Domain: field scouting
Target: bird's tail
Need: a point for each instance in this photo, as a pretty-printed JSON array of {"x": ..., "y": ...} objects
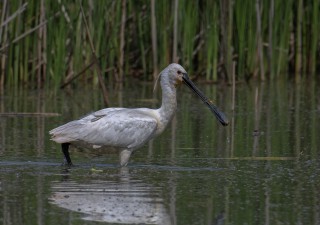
[{"x": 66, "y": 133}]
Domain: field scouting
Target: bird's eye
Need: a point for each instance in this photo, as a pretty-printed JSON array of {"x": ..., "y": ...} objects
[{"x": 179, "y": 72}]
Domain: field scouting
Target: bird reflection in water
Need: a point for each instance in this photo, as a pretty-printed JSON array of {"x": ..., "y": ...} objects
[{"x": 125, "y": 201}]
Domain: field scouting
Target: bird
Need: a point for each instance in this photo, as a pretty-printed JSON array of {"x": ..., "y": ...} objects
[{"x": 128, "y": 129}]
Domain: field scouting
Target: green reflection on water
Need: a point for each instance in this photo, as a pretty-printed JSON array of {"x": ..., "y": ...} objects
[{"x": 262, "y": 169}]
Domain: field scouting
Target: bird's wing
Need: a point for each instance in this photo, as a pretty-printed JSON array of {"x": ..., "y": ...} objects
[{"x": 122, "y": 128}]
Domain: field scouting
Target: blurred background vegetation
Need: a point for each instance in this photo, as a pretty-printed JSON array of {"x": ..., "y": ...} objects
[{"x": 55, "y": 43}]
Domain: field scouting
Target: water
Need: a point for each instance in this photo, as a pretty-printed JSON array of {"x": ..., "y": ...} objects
[{"x": 262, "y": 169}]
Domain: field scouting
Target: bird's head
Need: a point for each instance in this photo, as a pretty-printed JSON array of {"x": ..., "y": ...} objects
[
  {"x": 175, "y": 74},
  {"x": 172, "y": 75}
]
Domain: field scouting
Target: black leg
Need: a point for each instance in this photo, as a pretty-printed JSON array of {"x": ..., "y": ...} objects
[{"x": 65, "y": 151}]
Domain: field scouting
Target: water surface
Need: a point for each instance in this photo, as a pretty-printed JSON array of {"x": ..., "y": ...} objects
[{"x": 262, "y": 169}]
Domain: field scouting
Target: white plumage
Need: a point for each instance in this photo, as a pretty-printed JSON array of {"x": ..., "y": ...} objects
[
  {"x": 115, "y": 127},
  {"x": 128, "y": 129}
]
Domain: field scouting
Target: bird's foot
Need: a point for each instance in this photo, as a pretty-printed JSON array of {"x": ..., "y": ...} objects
[{"x": 67, "y": 164}]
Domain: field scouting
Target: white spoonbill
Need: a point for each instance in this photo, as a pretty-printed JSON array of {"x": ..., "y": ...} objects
[{"x": 128, "y": 129}]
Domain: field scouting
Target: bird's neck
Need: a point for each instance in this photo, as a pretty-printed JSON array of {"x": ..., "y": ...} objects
[{"x": 169, "y": 103}]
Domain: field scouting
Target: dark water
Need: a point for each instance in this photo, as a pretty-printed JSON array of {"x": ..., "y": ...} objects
[{"x": 262, "y": 169}]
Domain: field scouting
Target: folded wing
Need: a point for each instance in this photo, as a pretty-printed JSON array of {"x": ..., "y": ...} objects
[{"x": 121, "y": 128}]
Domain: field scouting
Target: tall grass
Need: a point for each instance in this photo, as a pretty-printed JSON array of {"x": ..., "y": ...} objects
[{"x": 45, "y": 43}]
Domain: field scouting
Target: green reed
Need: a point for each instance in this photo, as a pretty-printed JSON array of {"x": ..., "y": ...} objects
[
  {"x": 211, "y": 41},
  {"x": 46, "y": 43}
]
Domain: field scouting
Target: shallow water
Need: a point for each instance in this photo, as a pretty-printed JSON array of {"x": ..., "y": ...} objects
[{"x": 262, "y": 169}]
